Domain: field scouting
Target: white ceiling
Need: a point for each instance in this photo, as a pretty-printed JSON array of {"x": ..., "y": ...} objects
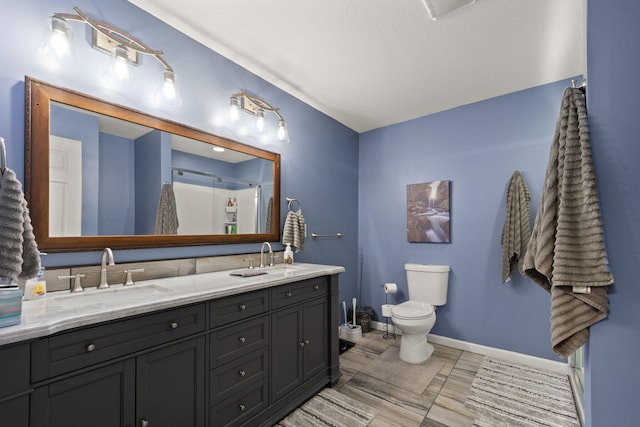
[{"x": 372, "y": 63}]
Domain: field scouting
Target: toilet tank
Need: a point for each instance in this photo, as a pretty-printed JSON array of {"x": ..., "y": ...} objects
[{"x": 428, "y": 283}]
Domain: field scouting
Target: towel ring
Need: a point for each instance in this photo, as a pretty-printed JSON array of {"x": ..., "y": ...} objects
[{"x": 290, "y": 201}]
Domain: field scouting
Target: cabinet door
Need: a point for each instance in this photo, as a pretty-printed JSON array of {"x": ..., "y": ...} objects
[
  {"x": 15, "y": 412},
  {"x": 170, "y": 385},
  {"x": 315, "y": 337},
  {"x": 286, "y": 361},
  {"x": 101, "y": 398}
]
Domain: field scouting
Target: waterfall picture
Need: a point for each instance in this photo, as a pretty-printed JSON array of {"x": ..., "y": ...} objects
[{"x": 428, "y": 212}]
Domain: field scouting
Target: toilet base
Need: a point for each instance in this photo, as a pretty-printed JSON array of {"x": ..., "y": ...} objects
[{"x": 414, "y": 348}]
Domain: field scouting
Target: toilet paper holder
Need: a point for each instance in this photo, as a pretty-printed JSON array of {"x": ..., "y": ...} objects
[{"x": 389, "y": 288}]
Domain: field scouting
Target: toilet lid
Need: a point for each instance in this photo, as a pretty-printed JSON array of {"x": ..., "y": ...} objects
[{"x": 412, "y": 310}]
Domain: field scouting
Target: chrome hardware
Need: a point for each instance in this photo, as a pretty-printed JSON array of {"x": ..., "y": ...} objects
[
  {"x": 91, "y": 347},
  {"x": 174, "y": 325},
  {"x": 242, "y": 339},
  {"x": 144, "y": 423},
  {"x": 77, "y": 284},
  {"x": 262, "y": 254},
  {"x": 242, "y": 373},
  {"x": 307, "y": 342},
  {"x": 288, "y": 294},
  {"x": 302, "y": 343},
  {"x": 242, "y": 307},
  {"x": 106, "y": 252},
  {"x": 250, "y": 263},
  {"x": 316, "y": 287},
  {"x": 242, "y": 407},
  {"x": 129, "y": 279}
]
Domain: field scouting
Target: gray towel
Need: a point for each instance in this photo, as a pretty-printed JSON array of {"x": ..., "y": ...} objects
[
  {"x": 566, "y": 250},
  {"x": 19, "y": 256},
  {"x": 517, "y": 226},
  {"x": 294, "y": 230},
  {"x": 167, "y": 214},
  {"x": 268, "y": 222}
]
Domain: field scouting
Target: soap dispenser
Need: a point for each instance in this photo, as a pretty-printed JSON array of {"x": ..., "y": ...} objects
[{"x": 288, "y": 254}]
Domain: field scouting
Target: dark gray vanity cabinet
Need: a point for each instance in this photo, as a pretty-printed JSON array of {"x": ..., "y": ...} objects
[
  {"x": 134, "y": 372},
  {"x": 14, "y": 385}
]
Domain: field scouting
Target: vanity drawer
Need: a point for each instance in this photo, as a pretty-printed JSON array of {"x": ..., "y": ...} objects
[
  {"x": 282, "y": 296},
  {"x": 235, "y": 341},
  {"x": 237, "y": 375},
  {"x": 238, "y": 307},
  {"x": 239, "y": 408},
  {"x": 76, "y": 349}
]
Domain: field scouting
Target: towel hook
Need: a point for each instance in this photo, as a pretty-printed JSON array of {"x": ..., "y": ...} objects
[
  {"x": 3, "y": 156},
  {"x": 290, "y": 201}
]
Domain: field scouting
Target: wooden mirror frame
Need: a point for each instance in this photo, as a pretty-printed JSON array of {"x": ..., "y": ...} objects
[{"x": 38, "y": 98}]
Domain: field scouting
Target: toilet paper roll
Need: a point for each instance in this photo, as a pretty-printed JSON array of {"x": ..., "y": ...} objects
[
  {"x": 386, "y": 310},
  {"x": 390, "y": 288}
]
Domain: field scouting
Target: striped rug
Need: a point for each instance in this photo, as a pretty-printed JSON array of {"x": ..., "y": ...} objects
[
  {"x": 509, "y": 394},
  {"x": 330, "y": 408}
]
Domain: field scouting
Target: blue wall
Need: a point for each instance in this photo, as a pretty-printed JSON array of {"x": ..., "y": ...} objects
[
  {"x": 613, "y": 377},
  {"x": 477, "y": 147},
  {"x": 319, "y": 166},
  {"x": 117, "y": 190}
]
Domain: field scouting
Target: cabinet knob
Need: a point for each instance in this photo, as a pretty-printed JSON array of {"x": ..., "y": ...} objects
[
  {"x": 144, "y": 423},
  {"x": 307, "y": 342},
  {"x": 242, "y": 339},
  {"x": 302, "y": 343},
  {"x": 243, "y": 307},
  {"x": 242, "y": 407},
  {"x": 173, "y": 325},
  {"x": 91, "y": 347},
  {"x": 288, "y": 294},
  {"x": 316, "y": 287},
  {"x": 242, "y": 373}
]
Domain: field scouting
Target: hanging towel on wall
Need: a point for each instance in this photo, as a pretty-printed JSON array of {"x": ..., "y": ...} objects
[
  {"x": 517, "y": 226},
  {"x": 19, "y": 256},
  {"x": 294, "y": 231},
  {"x": 167, "y": 214},
  {"x": 566, "y": 253}
]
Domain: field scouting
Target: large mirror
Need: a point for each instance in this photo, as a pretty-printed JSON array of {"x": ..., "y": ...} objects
[{"x": 99, "y": 174}]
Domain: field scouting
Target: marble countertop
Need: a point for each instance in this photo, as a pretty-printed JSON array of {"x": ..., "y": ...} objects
[{"x": 59, "y": 311}]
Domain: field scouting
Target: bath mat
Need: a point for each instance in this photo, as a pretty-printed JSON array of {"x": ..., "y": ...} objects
[
  {"x": 508, "y": 394},
  {"x": 330, "y": 408},
  {"x": 415, "y": 378}
]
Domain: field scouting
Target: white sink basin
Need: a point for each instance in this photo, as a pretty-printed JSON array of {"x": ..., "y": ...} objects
[{"x": 114, "y": 294}]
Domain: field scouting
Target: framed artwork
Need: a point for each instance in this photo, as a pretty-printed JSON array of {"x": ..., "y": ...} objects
[{"x": 428, "y": 214}]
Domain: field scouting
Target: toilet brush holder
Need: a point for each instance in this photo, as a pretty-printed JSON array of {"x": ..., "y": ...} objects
[{"x": 350, "y": 332}]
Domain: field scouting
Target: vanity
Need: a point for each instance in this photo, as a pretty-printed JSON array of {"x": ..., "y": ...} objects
[{"x": 205, "y": 349}]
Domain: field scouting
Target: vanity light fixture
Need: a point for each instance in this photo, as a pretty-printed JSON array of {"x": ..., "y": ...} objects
[
  {"x": 125, "y": 50},
  {"x": 257, "y": 107}
]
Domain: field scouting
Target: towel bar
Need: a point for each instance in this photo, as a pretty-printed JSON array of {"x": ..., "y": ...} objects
[{"x": 316, "y": 235}]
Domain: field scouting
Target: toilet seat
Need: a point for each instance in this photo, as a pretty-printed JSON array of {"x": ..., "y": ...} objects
[{"x": 412, "y": 310}]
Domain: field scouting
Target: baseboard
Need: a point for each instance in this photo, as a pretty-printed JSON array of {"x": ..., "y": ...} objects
[{"x": 512, "y": 356}]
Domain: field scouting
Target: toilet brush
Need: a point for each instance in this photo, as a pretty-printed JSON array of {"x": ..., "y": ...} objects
[{"x": 354, "y": 312}]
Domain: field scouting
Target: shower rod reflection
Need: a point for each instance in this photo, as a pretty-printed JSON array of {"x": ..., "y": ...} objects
[{"x": 182, "y": 171}]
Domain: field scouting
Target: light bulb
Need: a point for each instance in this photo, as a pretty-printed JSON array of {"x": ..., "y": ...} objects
[
  {"x": 260, "y": 120},
  {"x": 58, "y": 38},
  {"x": 282, "y": 131},
  {"x": 234, "y": 109},
  {"x": 169, "y": 85},
  {"x": 120, "y": 63}
]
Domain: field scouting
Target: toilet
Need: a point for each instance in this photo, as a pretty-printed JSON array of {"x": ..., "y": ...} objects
[{"x": 428, "y": 286}]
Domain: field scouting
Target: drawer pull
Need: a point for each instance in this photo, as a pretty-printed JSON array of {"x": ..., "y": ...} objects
[
  {"x": 316, "y": 287},
  {"x": 242, "y": 407},
  {"x": 288, "y": 294},
  {"x": 144, "y": 423},
  {"x": 174, "y": 325},
  {"x": 242, "y": 339},
  {"x": 242, "y": 373},
  {"x": 91, "y": 347},
  {"x": 243, "y": 307}
]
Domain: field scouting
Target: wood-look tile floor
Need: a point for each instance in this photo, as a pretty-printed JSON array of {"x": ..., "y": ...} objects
[{"x": 441, "y": 403}]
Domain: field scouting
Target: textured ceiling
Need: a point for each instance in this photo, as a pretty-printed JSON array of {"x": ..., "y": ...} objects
[{"x": 372, "y": 63}]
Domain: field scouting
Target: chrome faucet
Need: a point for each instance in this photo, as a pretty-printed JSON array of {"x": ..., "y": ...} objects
[
  {"x": 103, "y": 269},
  {"x": 262, "y": 254}
]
